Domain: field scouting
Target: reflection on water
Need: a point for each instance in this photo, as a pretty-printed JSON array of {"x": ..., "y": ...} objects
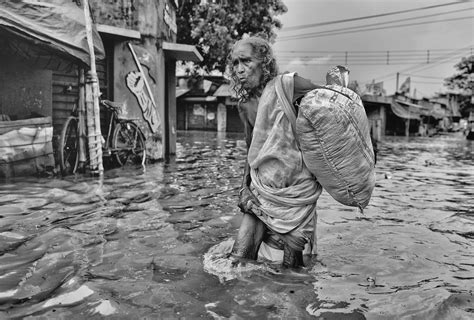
[{"x": 132, "y": 245}]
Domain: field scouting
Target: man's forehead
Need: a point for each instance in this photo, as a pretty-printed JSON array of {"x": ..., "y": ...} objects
[{"x": 242, "y": 50}]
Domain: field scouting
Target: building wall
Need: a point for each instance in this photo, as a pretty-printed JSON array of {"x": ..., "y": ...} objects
[
  {"x": 206, "y": 116},
  {"x": 26, "y": 132},
  {"x": 377, "y": 116},
  {"x": 65, "y": 85},
  {"x": 25, "y": 91},
  {"x": 201, "y": 116},
  {"x": 153, "y": 19},
  {"x": 115, "y": 13}
]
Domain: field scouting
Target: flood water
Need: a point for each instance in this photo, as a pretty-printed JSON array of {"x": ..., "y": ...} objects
[{"x": 134, "y": 244}]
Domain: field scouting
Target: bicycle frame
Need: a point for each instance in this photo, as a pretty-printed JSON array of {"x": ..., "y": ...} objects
[{"x": 124, "y": 139}]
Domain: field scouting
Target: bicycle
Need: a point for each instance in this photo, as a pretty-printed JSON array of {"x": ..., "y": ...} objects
[{"x": 124, "y": 139}]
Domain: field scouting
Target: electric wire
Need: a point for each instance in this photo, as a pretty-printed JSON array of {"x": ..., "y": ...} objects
[
  {"x": 359, "y": 51},
  {"x": 305, "y": 26},
  {"x": 448, "y": 57},
  {"x": 325, "y": 34},
  {"x": 383, "y": 59},
  {"x": 420, "y": 76},
  {"x": 310, "y": 35}
]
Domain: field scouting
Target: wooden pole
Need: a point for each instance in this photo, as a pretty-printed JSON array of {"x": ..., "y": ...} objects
[
  {"x": 407, "y": 127},
  {"x": 92, "y": 102},
  {"x": 81, "y": 120}
]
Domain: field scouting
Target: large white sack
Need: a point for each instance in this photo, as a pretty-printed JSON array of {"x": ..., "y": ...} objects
[{"x": 334, "y": 135}]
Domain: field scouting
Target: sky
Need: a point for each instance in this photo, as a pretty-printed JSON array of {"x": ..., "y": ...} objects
[{"x": 425, "y": 52}]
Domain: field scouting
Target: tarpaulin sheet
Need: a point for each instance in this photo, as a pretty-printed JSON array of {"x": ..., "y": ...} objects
[
  {"x": 405, "y": 112},
  {"x": 412, "y": 108},
  {"x": 57, "y": 25}
]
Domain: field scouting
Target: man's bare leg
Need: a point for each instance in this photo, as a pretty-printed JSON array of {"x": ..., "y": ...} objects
[
  {"x": 292, "y": 258},
  {"x": 249, "y": 238}
]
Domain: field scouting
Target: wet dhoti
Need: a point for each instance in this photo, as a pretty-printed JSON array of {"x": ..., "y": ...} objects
[{"x": 282, "y": 183}]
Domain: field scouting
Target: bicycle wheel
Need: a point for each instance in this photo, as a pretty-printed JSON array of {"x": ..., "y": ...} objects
[
  {"x": 128, "y": 143},
  {"x": 69, "y": 146}
]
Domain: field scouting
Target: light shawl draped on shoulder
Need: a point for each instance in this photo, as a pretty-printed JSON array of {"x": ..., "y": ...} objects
[{"x": 284, "y": 186}]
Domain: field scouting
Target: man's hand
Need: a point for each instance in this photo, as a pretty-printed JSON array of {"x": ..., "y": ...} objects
[{"x": 247, "y": 200}]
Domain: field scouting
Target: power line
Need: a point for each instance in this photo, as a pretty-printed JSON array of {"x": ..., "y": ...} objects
[
  {"x": 419, "y": 76},
  {"x": 374, "y": 52},
  {"x": 427, "y": 82},
  {"x": 454, "y": 54},
  {"x": 304, "y": 35},
  {"x": 398, "y": 50},
  {"x": 352, "y": 64},
  {"x": 374, "y": 58},
  {"x": 304, "y": 26},
  {"x": 324, "y": 34}
]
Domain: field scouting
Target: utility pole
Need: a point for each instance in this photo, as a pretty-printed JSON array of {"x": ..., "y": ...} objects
[{"x": 396, "y": 85}]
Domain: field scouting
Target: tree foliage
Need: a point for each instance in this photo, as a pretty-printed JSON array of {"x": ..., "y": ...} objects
[
  {"x": 463, "y": 80},
  {"x": 214, "y": 26}
]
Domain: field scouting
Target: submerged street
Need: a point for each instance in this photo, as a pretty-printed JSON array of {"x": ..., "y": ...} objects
[{"x": 133, "y": 245}]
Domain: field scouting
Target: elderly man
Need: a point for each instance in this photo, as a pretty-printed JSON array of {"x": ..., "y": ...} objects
[{"x": 278, "y": 195}]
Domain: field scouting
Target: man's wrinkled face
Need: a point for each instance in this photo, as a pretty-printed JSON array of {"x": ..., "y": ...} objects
[{"x": 247, "y": 68}]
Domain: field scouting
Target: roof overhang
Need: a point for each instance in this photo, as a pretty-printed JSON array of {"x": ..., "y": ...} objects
[
  {"x": 184, "y": 52},
  {"x": 410, "y": 104},
  {"x": 181, "y": 91},
  {"x": 375, "y": 99},
  {"x": 118, "y": 32}
]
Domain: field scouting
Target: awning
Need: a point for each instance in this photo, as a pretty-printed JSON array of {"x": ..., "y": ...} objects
[
  {"x": 421, "y": 110},
  {"x": 55, "y": 26},
  {"x": 184, "y": 52},
  {"x": 404, "y": 112},
  {"x": 118, "y": 32}
]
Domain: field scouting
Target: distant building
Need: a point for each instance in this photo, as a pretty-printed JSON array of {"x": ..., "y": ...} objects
[
  {"x": 376, "y": 108},
  {"x": 206, "y": 103},
  {"x": 410, "y": 116}
]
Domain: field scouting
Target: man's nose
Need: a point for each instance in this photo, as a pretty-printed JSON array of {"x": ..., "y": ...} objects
[{"x": 240, "y": 68}]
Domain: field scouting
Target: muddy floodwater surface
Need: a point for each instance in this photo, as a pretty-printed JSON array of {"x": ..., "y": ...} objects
[{"x": 139, "y": 244}]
